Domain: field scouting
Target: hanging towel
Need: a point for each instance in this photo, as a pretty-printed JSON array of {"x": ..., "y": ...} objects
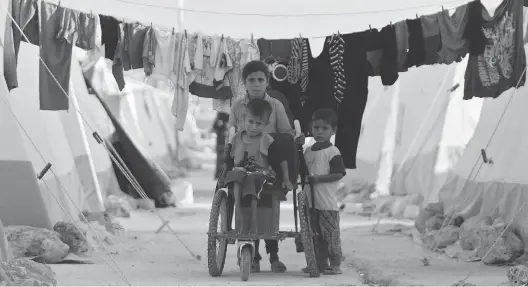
[{"x": 182, "y": 71}]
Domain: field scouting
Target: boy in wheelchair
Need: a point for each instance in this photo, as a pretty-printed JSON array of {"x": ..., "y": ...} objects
[{"x": 251, "y": 169}]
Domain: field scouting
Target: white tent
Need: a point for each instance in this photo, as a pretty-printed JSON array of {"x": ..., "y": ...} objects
[
  {"x": 498, "y": 189},
  {"x": 81, "y": 172}
]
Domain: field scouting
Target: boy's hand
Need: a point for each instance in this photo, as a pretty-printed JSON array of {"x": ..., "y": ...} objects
[
  {"x": 286, "y": 184},
  {"x": 313, "y": 179},
  {"x": 300, "y": 140}
]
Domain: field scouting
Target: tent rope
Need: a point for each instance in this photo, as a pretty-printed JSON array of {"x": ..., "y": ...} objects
[
  {"x": 120, "y": 272},
  {"x": 87, "y": 123}
]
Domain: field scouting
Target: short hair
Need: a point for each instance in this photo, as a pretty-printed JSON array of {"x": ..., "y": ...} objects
[
  {"x": 327, "y": 115},
  {"x": 260, "y": 108},
  {"x": 255, "y": 66}
]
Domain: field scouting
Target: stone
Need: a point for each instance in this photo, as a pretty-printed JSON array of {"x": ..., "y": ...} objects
[
  {"x": 76, "y": 239},
  {"x": 429, "y": 211},
  {"x": 446, "y": 236},
  {"x": 456, "y": 252},
  {"x": 518, "y": 275},
  {"x": 411, "y": 211},
  {"x": 479, "y": 234},
  {"x": 434, "y": 223},
  {"x": 25, "y": 272},
  {"x": 40, "y": 243},
  {"x": 119, "y": 205}
]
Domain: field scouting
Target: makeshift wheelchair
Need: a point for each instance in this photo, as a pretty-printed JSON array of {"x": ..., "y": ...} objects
[{"x": 268, "y": 218}]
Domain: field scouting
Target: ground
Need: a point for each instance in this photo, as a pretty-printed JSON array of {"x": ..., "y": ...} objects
[{"x": 147, "y": 258}]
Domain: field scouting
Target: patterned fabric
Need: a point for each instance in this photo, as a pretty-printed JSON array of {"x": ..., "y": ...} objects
[
  {"x": 328, "y": 247},
  {"x": 294, "y": 66},
  {"x": 304, "y": 65},
  {"x": 337, "y": 49}
]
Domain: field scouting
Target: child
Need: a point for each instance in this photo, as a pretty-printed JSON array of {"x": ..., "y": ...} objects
[
  {"x": 326, "y": 168},
  {"x": 250, "y": 155}
]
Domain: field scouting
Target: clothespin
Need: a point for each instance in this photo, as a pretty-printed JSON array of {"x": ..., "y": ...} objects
[
  {"x": 251, "y": 37},
  {"x": 173, "y": 30},
  {"x": 391, "y": 23},
  {"x": 222, "y": 38},
  {"x": 442, "y": 8},
  {"x": 58, "y": 4},
  {"x": 370, "y": 27},
  {"x": 185, "y": 33},
  {"x": 416, "y": 15}
]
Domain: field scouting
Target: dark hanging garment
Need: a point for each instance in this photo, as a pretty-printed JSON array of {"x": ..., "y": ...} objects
[
  {"x": 110, "y": 34},
  {"x": 279, "y": 49},
  {"x": 502, "y": 63},
  {"x": 350, "y": 110},
  {"x": 474, "y": 34},
  {"x": 416, "y": 54},
  {"x": 389, "y": 67}
]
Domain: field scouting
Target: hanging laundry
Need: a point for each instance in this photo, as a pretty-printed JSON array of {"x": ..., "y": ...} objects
[
  {"x": 129, "y": 52},
  {"x": 86, "y": 31},
  {"x": 473, "y": 33},
  {"x": 234, "y": 76},
  {"x": 431, "y": 35},
  {"x": 402, "y": 45},
  {"x": 197, "y": 56},
  {"x": 58, "y": 27},
  {"x": 351, "y": 109},
  {"x": 98, "y": 33},
  {"x": 223, "y": 61},
  {"x": 25, "y": 15},
  {"x": 181, "y": 71},
  {"x": 388, "y": 67},
  {"x": 501, "y": 66},
  {"x": 454, "y": 45},
  {"x": 416, "y": 53},
  {"x": 279, "y": 50},
  {"x": 374, "y": 51},
  {"x": 158, "y": 57},
  {"x": 336, "y": 51},
  {"x": 294, "y": 66},
  {"x": 305, "y": 65},
  {"x": 110, "y": 35}
]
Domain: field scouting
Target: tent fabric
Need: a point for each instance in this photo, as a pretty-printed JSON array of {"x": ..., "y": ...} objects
[
  {"x": 474, "y": 188},
  {"x": 69, "y": 186}
]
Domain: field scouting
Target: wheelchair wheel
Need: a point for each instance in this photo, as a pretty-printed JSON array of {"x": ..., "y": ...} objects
[
  {"x": 217, "y": 247},
  {"x": 307, "y": 235},
  {"x": 245, "y": 263}
]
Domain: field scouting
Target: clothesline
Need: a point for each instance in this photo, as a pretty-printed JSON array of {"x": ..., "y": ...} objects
[{"x": 295, "y": 15}]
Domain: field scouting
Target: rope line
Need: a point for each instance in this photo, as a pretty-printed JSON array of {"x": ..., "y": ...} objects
[{"x": 290, "y": 15}]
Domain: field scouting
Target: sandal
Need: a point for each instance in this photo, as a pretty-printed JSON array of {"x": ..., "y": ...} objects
[
  {"x": 278, "y": 267},
  {"x": 332, "y": 271}
]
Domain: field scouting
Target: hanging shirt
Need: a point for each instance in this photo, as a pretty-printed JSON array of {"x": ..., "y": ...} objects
[
  {"x": 182, "y": 71},
  {"x": 501, "y": 65},
  {"x": 58, "y": 26},
  {"x": 129, "y": 51},
  {"x": 25, "y": 15},
  {"x": 85, "y": 31},
  {"x": 388, "y": 68},
  {"x": 431, "y": 35},
  {"x": 322, "y": 161},
  {"x": 473, "y": 33},
  {"x": 454, "y": 45},
  {"x": 278, "y": 49},
  {"x": 416, "y": 53},
  {"x": 402, "y": 45},
  {"x": 110, "y": 35},
  {"x": 161, "y": 56},
  {"x": 150, "y": 44}
]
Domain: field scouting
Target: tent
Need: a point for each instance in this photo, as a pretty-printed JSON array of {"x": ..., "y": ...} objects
[
  {"x": 499, "y": 188},
  {"x": 81, "y": 173}
]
